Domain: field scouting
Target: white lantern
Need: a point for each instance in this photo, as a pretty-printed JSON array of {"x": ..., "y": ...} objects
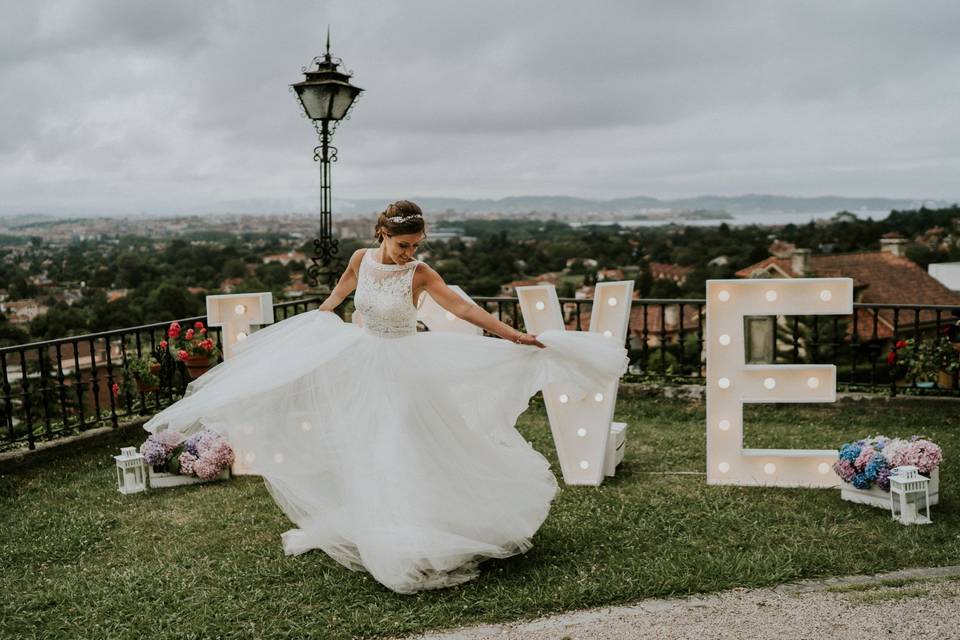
[
  {"x": 131, "y": 471},
  {"x": 907, "y": 489}
]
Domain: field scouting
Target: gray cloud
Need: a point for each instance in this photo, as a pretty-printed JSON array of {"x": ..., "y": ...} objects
[{"x": 146, "y": 106}]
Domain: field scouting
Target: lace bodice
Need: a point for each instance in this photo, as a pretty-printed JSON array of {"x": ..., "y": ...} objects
[{"x": 384, "y": 297}]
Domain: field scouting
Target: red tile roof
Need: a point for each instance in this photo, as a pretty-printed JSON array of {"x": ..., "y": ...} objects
[
  {"x": 661, "y": 270},
  {"x": 879, "y": 278},
  {"x": 653, "y": 323}
]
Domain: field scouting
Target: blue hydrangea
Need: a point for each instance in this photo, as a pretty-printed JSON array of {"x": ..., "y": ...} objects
[
  {"x": 877, "y": 463},
  {"x": 849, "y": 452},
  {"x": 860, "y": 481}
]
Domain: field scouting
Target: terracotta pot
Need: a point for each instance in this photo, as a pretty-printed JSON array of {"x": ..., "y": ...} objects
[
  {"x": 945, "y": 380},
  {"x": 197, "y": 365},
  {"x": 144, "y": 388}
]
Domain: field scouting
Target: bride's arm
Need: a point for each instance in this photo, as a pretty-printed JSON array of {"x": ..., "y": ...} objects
[
  {"x": 452, "y": 302},
  {"x": 346, "y": 284}
]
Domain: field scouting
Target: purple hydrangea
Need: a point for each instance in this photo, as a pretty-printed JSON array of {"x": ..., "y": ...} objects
[
  {"x": 883, "y": 478},
  {"x": 190, "y": 444},
  {"x": 154, "y": 452}
]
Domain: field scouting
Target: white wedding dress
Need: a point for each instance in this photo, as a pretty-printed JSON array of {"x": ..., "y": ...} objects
[{"x": 394, "y": 451}]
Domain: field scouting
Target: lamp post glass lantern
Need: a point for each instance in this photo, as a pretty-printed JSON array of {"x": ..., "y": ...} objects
[{"x": 326, "y": 96}]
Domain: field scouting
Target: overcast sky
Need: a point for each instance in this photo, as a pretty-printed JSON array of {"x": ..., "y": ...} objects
[{"x": 164, "y": 106}]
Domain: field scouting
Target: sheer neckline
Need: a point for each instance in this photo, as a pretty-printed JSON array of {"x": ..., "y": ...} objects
[{"x": 387, "y": 267}]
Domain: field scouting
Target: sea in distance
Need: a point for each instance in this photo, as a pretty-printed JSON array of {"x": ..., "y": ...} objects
[{"x": 739, "y": 218}]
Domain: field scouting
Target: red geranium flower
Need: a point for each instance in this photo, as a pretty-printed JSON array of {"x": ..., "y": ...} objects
[
  {"x": 901, "y": 344},
  {"x": 115, "y": 389},
  {"x": 203, "y": 330},
  {"x": 163, "y": 344},
  {"x": 183, "y": 355},
  {"x": 189, "y": 334},
  {"x": 174, "y": 331},
  {"x": 891, "y": 357},
  {"x": 198, "y": 325}
]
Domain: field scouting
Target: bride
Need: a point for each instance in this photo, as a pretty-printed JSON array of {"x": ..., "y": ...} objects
[{"x": 395, "y": 451}]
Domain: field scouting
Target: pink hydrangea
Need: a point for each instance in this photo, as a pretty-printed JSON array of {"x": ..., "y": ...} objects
[
  {"x": 844, "y": 469},
  {"x": 924, "y": 455},
  {"x": 205, "y": 469},
  {"x": 169, "y": 439},
  {"x": 895, "y": 451},
  {"x": 864, "y": 458},
  {"x": 187, "y": 461}
]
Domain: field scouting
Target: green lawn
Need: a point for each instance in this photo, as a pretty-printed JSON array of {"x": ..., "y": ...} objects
[{"x": 78, "y": 559}]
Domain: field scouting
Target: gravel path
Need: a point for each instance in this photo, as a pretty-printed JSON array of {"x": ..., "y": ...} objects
[{"x": 915, "y": 604}]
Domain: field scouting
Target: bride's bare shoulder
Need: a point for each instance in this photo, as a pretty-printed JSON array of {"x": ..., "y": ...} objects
[{"x": 356, "y": 258}]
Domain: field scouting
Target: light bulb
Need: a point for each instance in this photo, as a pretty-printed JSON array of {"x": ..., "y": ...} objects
[
  {"x": 823, "y": 467},
  {"x": 769, "y": 468},
  {"x": 584, "y": 464},
  {"x": 769, "y": 383},
  {"x": 723, "y": 383},
  {"x": 813, "y": 382},
  {"x": 771, "y": 295},
  {"x": 723, "y": 296},
  {"x": 540, "y": 306},
  {"x": 724, "y": 425},
  {"x": 598, "y": 397},
  {"x": 826, "y": 295},
  {"x": 241, "y": 336},
  {"x": 612, "y": 302},
  {"x": 582, "y": 432},
  {"x": 240, "y": 309},
  {"x": 564, "y": 398},
  {"x": 724, "y": 339},
  {"x": 608, "y": 333},
  {"x": 723, "y": 467}
]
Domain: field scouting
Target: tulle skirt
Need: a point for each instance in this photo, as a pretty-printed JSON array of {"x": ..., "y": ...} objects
[{"x": 397, "y": 456}]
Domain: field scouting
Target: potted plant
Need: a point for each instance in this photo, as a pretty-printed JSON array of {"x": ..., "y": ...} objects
[
  {"x": 864, "y": 467},
  {"x": 140, "y": 372},
  {"x": 193, "y": 347},
  {"x": 929, "y": 362},
  {"x": 144, "y": 372},
  {"x": 175, "y": 459}
]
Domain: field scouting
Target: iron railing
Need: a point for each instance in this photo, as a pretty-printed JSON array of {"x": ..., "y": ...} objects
[{"x": 61, "y": 387}]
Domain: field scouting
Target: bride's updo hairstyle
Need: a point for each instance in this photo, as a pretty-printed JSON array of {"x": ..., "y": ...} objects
[{"x": 400, "y": 218}]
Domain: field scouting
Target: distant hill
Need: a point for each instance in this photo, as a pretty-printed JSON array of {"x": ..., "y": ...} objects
[{"x": 749, "y": 203}]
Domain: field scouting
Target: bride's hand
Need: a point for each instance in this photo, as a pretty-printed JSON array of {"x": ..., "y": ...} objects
[{"x": 527, "y": 339}]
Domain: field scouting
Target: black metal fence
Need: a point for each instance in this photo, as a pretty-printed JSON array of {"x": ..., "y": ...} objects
[{"x": 65, "y": 386}]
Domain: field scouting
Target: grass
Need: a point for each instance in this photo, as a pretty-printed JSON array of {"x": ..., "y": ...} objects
[{"x": 78, "y": 559}]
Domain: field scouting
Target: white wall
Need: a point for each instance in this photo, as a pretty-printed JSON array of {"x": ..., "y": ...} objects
[{"x": 946, "y": 272}]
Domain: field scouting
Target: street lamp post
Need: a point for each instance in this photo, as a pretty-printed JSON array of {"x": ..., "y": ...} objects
[{"x": 326, "y": 96}]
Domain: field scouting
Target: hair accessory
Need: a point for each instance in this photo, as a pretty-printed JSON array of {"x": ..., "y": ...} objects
[{"x": 402, "y": 218}]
